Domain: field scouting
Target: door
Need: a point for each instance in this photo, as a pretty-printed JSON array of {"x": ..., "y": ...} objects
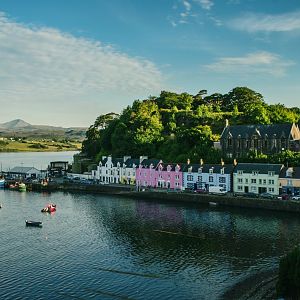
[{"x": 246, "y": 189}]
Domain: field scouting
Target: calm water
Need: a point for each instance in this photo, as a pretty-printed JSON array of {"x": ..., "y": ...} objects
[
  {"x": 39, "y": 160},
  {"x": 102, "y": 247}
]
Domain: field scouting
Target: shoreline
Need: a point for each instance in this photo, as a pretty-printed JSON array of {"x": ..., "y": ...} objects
[
  {"x": 257, "y": 286},
  {"x": 181, "y": 197}
]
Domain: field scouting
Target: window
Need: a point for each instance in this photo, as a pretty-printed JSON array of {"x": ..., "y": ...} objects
[
  {"x": 200, "y": 170},
  {"x": 222, "y": 179},
  {"x": 253, "y": 180},
  {"x": 211, "y": 179},
  {"x": 246, "y": 180},
  {"x": 200, "y": 178},
  {"x": 254, "y": 172},
  {"x": 271, "y": 173},
  {"x": 271, "y": 181},
  {"x": 289, "y": 182},
  {"x": 177, "y": 184},
  {"x": 260, "y": 181},
  {"x": 189, "y": 177},
  {"x": 271, "y": 190},
  {"x": 240, "y": 180},
  {"x": 253, "y": 189},
  {"x": 265, "y": 181},
  {"x": 240, "y": 172},
  {"x": 211, "y": 171},
  {"x": 177, "y": 177},
  {"x": 222, "y": 171},
  {"x": 240, "y": 187}
]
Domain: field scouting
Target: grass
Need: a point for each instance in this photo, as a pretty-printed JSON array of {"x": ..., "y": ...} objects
[{"x": 38, "y": 146}]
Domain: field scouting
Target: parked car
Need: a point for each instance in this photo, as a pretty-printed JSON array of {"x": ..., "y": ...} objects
[
  {"x": 283, "y": 197},
  {"x": 266, "y": 196},
  {"x": 296, "y": 197},
  {"x": 216, "y": 190},
  {"x": 200, "y": 191},
  {"x": 251, "y": 195}
]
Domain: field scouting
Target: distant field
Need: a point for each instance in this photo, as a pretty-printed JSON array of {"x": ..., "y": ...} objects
[{"x": 38, "y": 146}]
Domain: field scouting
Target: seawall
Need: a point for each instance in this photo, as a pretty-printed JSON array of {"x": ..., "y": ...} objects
[{"x": 183, "y": 197}]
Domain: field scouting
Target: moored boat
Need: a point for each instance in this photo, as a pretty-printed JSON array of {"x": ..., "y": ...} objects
[
  {"x": 213, "y": 203},
  {"x": 49, "y": 208},
  {"x": 22, "y": 187},
  {"x": 34, "y": 223},
  {"x": 2, "y": 182}
]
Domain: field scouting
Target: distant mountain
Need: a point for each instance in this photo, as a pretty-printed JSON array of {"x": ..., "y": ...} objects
[
  {"x": 21, "y": 128},
  {"x": 18, "y": 123}
]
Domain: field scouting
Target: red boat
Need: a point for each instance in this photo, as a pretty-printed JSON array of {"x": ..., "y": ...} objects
[{"x": 50, "y": 208}]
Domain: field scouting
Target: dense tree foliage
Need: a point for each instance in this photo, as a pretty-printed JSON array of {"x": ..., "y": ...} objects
[
  {"x": 288, "y": 284},
  {"x": 176, "y": 127}
]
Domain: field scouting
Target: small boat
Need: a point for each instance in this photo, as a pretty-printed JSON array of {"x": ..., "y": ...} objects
[
  {"x": 2, "y": 183},
  {"x": 49, "y": 208},
  {"x": 213, "y": 203},
  {"x": 33, "y": 223},
  {"x": 22, "y": 187}
]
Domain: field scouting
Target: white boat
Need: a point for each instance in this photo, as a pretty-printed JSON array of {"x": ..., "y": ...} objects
[
  {"x": 213, "y": 203},
  {"x": 2, "y": 181}
]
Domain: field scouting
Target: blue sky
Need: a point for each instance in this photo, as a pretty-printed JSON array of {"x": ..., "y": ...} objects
[{"x": 66, "y": 62}]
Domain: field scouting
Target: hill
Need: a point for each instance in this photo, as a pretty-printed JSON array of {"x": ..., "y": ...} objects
[{"x": 22, "y": 129}]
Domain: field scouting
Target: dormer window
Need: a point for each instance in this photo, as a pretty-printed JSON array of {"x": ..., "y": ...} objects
[
  {"x": 169, "y": 168},
  {"x": 200, "y": 170},
  {"x": 190, "y": 169},
  {"x": 177, "y": 168},
  {"x": 211, "y": 170},
  {"x": 271, "y": 173},
  {"x": 240, "y": 172},
  {"x": 222, "y": 171},
  {"x": 255, "y": 172}
]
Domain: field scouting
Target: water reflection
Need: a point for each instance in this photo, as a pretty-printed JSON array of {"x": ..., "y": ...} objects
[{"x": 113, "y": 247}]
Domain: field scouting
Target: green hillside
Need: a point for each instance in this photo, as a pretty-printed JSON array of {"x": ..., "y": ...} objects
[{"x": 176, "y": 127}]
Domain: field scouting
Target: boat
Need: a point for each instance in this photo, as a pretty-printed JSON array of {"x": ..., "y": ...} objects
[
  {"x": 213, "y": 203},
  {"x": 49, "y": 208},
  {"x": 2, "y": 182},
  {"x": 34, "y": 223},
  {"x": 22, "y": 187}
]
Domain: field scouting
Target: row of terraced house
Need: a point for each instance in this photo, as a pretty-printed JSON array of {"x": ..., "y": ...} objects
[{"x": 240, "y": 178}]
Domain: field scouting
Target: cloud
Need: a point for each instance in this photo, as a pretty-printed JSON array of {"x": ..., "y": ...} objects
[
  {"x": 205, "y": 4},
  {"x": 39, "y": 63},
  {"x": 267, "y": 23},
  {"x": 258, "y": 62}
]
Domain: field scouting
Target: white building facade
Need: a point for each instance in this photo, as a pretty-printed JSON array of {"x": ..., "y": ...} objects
[{"x": 256, "y": 178}]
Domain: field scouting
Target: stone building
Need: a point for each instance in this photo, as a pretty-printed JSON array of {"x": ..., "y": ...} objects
[{"x": 236, "y": 141}]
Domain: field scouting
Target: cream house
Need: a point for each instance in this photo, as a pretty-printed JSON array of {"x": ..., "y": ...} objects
[{"x": 256, "y": 178}]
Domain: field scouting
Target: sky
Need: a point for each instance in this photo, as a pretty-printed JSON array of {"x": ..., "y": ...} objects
[{"x": 64, "y": 63}]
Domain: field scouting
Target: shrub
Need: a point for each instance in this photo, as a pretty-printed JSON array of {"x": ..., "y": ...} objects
[{"x": 288, "y": 284}]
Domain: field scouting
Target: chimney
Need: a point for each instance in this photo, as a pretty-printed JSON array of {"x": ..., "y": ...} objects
[
  {"x": 188, "y": 161},
  {"x": 201, "y": 162},
  {"x": 234, "y": 162},
  {"x": 226, "y": 123}
]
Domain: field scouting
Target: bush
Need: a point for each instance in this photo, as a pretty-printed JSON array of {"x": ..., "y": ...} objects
[{"x": 288, "y": 284}]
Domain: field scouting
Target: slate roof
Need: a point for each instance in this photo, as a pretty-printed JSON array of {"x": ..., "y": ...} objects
[
  {"x": 228, "y": 169},
  {"x": 130, "y": 161},
  {"x": 245, "y": 131},
  {"x": 261, "y": 168},
  {"x": 22, "y": 169},
  {"x": 295, "y": 174},
  {"x": 147, "y": 162},
  {"x": 173, "y": 166}
]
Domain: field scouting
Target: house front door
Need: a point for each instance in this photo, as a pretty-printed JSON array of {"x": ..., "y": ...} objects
[{"x": 246, "y": 189}]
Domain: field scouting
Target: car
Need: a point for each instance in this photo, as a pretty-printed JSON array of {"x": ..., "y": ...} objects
[
  {"x": 266, "y": 196},
  {"x": 296, "y": 197},
  {"x": 283, "y": 197},
  {"x": 250, "y": 195},
  {"x": 200, "y": 191}
]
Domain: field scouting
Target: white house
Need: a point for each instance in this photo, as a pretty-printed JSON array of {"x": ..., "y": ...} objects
[
  {"x": 197, "y": 176},
  {"x": 256, "y": 178},
  {"x": 117, "y": 170}
]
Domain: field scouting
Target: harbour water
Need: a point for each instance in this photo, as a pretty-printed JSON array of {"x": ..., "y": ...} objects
[{"x": 106, "y": 247}]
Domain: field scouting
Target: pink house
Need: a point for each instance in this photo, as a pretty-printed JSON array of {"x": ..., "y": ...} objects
[
  {"x": 169, "y": 176},
  {"x": 146, "y": 175},
  {"x": 156, "y": 174}
]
